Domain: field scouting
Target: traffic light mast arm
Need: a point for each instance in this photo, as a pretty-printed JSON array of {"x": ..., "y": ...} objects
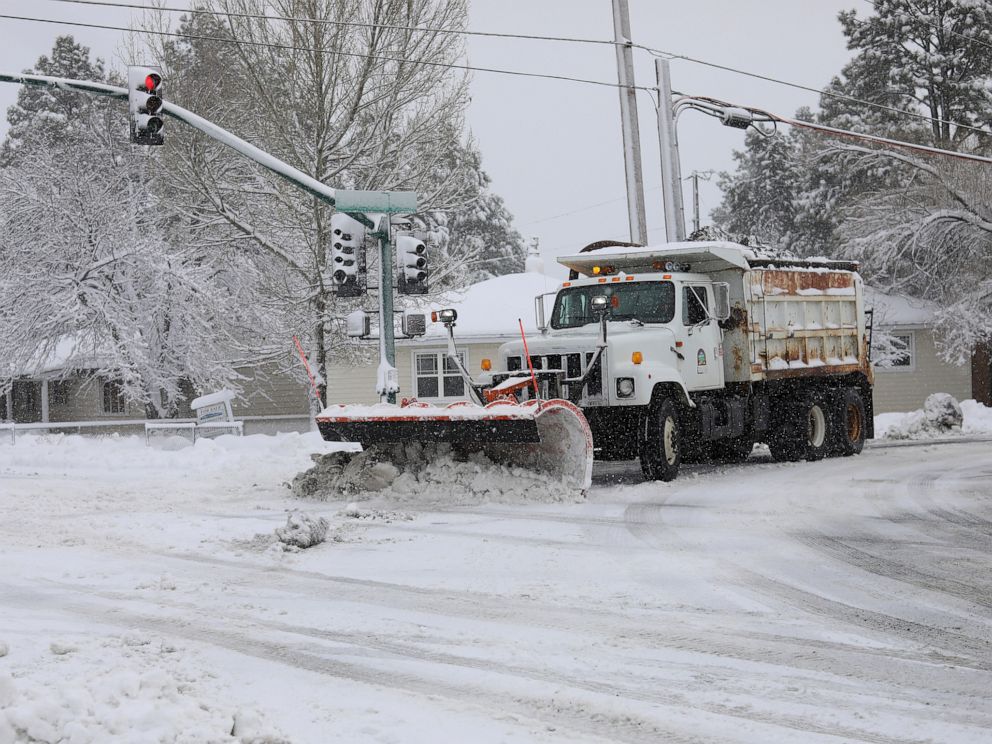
[{"x": 299, "y": 178}]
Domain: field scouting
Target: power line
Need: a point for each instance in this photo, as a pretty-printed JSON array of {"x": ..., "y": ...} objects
[
  {"x": 530, "y": 37},
  {"x": 290, "y": 47},
  {"x": 354, "y": 24},
  {"x": 586, "y": 208},
  {"x": 820, "y": 91}
]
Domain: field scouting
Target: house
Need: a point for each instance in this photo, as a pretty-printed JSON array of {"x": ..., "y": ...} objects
[
  {"x": 61, "y": 388},
  {"x": 919, "y": 370},
  {"x": 489, "y": 314}
]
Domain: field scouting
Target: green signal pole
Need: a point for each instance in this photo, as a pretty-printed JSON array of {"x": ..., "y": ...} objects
[{"x": 359, "y": 205}]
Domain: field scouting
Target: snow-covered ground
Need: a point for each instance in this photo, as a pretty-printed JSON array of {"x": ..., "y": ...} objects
[{"x": 145, "y": 599}]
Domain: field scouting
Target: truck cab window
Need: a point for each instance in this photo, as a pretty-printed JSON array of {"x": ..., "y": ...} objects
[
  {"x": 647, "y": 302},
  {"x": 695, "y": 305}
]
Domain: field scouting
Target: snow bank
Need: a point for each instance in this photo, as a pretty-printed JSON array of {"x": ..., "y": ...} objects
[
  {"x": 127, "y": 456},
  {"x": 426, "y": 474},
  {"x": 940, "y": 416},
  {"x": 121, "y": 692}
]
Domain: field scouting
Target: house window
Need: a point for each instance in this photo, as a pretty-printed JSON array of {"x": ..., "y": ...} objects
[
  {"x": 904, "y": 356},
  {"x": 113, "y": 398},
  {"x": 436, "y": 376},
  {"x": 59, "y": 393}
]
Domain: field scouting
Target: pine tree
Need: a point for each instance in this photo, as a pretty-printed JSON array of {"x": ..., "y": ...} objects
[{"x": 49, "y": 117}]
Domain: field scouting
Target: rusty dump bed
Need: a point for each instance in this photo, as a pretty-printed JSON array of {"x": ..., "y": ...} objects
[{"x": 805, "y": 322}]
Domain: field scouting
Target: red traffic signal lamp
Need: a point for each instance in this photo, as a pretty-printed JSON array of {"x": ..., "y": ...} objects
[{"x": 144, "y": 98}]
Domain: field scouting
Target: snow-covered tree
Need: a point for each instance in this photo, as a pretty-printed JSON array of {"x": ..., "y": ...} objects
[
  {"x": 759, "y": 198},
  {"x": 931, "y": 56},
  {"x": 49, "y": 117},
  {"x": 95, "y": 264},
  {"x": 354, "y": 106},
  {"x": 931, "y": 238}
]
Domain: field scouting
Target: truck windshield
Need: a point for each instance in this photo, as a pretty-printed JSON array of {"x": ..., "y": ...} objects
[{"x": 648, "y": 302}]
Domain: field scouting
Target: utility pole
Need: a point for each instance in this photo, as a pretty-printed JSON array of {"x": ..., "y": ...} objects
[
  {"x": 694, "y": 177},
  {"x": 668, "y": 146},
  {"x": 628, "y": 120}
]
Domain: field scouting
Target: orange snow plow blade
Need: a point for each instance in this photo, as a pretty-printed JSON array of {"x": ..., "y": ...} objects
[{"x": 549, "y": 436}]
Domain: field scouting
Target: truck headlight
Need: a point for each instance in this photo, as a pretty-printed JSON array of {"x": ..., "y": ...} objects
[{"x": 625, "y": 387}]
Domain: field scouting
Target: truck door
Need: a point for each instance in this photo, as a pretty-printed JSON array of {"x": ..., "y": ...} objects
[{"x": 702, "y": 346}]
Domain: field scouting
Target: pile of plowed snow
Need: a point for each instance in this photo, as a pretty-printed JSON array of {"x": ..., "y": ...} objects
[
  {"x": 941, "y": 416},
  {"x": 425, "y": 474}
]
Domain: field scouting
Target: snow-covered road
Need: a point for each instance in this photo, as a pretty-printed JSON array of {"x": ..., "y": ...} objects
[{"x": 846, "y": 600}]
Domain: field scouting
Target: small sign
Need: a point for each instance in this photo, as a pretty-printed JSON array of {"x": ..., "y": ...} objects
[
  {"x": 372, "y": 202},
  {"x": 700, "y": 361},
  {"x": 216, "y": 412}
]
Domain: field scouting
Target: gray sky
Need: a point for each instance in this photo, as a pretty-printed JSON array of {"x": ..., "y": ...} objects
[{"x": 555, "y": 147}]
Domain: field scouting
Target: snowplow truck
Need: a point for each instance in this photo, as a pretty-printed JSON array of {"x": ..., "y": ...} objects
[{"x": 681, "y": 352}]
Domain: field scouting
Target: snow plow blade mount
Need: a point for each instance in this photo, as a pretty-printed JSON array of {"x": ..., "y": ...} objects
[{"x": 549, "y": 436}]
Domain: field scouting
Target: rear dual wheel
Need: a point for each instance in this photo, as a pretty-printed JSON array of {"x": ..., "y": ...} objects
[
  {"x": 803, "y": 431},
  {"x": 850, "y": 424}
]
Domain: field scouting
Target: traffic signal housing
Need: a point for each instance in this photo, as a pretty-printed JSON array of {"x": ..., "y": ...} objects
[
  {"x": 411, "y": 265},
  {"x": 144, "y": 99},
  {"x": 346, "y": 263}
]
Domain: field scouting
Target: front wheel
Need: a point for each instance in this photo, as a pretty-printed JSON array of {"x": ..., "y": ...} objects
[{"x": 661, "y": 441}]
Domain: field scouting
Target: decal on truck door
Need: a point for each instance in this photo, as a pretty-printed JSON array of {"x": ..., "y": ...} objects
[{"x": 700, "y": 361}]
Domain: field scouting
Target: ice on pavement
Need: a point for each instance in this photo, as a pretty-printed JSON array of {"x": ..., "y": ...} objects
[{"x": 419, "y": 473}]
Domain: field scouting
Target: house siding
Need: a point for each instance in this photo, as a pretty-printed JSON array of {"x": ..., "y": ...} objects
[
  {"x": 906, "y": 389},
  {"x": 85, "y": 403},
  {"x": 356, "y": 383},
  {"x": 268, "y": 391}
]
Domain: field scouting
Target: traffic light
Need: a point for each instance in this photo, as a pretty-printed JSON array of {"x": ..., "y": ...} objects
[
  {"x": 144, "y": 100},
  {"x": 411, "y": 265},
  {"x": 347, "y": 260}
]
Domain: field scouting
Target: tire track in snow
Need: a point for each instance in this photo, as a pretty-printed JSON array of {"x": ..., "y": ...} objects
[
  {"x": 977, "y": 652},
  {"x": 895, "y": 570},
  {"x": 582, "y": 716},
  {"x": 721, "y": 644},
  {"x": 394, "y": 650}
]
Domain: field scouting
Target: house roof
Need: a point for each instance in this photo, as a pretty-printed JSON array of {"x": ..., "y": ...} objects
[
  {"x": 490, "y": 308},
  {"x": 71, "y": 351},
  {"x": 899, "y": 310}
]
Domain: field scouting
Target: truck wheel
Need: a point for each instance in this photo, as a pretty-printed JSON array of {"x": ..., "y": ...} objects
[
  {"x": 661, "y": 441},
  {"x": 736, "y": 449},
  {"x": 803, "y": 431},
  {"x": 817, "y": 443},
  {"x": 849, "y": 424}
]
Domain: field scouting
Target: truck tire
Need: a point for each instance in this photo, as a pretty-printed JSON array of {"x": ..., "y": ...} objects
[
  {"x": 661, "y": 441},
  {"x": 818, "y": 427},
  {"x": 849, "y": 423},
  {"x": 803, "y": 431}
]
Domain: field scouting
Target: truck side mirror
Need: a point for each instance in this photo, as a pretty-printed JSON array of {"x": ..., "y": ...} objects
[
  {"x": 542, "y": 323},
  {"x": 721, "y": 298}
]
